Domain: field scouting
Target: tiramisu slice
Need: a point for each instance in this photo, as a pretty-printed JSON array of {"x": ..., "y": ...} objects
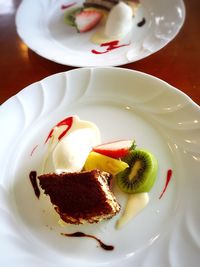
[
  {"x": 81, "y": 197},
  {"x": 109, "y": 4}
]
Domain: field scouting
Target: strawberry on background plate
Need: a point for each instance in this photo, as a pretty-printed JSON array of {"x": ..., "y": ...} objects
[
  {"x": 116, "y": 149},
  {"x": 87, "y": 19}
]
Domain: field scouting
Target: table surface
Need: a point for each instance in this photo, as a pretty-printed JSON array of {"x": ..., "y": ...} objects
[{"x": 178, "y": 63}]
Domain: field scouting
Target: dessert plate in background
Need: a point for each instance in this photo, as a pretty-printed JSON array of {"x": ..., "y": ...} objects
[
  {"x": 124, "y": 104},
  {"x": 44, "y": 31}
]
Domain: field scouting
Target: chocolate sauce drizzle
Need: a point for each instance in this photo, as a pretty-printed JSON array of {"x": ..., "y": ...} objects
[
  {"x": 141, "y": 23},
  {"x": 80, "y": 234},
  {"x": 33, "y": 179}
]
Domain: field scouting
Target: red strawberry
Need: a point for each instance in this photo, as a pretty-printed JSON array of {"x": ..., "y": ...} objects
[
  {"x": 117, "y": 149},
  {"x": 87, "y": 19}
]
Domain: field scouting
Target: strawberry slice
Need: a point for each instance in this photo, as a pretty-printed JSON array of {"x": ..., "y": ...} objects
[
  {"x": 117, "y": 149},
  {"x": 87, "y": 19}
]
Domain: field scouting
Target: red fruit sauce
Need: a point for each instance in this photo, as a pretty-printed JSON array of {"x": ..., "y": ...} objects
[
  {"x": 33, "y": 150},
  {"x": 110, "y": 46},
  {"x": 168, "y": 178},
  {"x": 66, "y": 122},
  {"x": 68, "y": 5}
]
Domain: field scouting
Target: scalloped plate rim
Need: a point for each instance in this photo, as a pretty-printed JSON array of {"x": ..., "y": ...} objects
[{"x": 162, "y": 83}]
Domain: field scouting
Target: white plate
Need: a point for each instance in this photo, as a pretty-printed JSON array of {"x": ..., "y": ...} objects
[
  {"x": 124, "y": 104},
  {"x": 41, "y": 25}
]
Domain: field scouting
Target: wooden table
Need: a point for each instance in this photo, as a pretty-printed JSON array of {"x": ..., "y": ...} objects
[{"x": 178, "y": 63}]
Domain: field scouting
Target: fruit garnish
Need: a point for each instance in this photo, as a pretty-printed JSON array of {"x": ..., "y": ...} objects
[
  {"x": 104, "y": 163},
  {"x": 133, "y": 146},
  {"x": 87, "y": 19},
  {"x": 70, "y": 16},
  {"x": 117, "y": 149},
  {"x": 141, "y": 174}
]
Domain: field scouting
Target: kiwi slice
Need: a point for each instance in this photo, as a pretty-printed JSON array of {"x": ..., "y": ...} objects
[
  {"x": 70, "y": 16},
  {"x": 141, "y": 174}
]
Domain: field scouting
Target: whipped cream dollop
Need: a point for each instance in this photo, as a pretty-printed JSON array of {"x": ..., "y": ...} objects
[
  {"x": 69, "y": 145},
  {"x": 118, "y": 24},
  {"x": 119, "y": 20},
  {"x": 72, "y": 151}
]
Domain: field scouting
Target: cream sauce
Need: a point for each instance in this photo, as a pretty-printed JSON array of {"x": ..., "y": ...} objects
[
  {"x": 135, "y": 203},
  {"x": 99, "y": 37}
]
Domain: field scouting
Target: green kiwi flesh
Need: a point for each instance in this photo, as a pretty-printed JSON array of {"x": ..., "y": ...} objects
[
  {"x": 70, "y": 16},
  {"x": 141, "y": 174}
]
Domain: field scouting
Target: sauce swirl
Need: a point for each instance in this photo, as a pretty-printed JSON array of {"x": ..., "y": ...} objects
[
  {"x": 141, "y": 23},
  {"x": 110, "y": 46},
  {"x": 68, "y": 5},
  {"x": 66, "y": 122},
  {"x": 80, "y": 234},
  {"x": 33, "y": 179},
  {"x": 168, "y": 178}
]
